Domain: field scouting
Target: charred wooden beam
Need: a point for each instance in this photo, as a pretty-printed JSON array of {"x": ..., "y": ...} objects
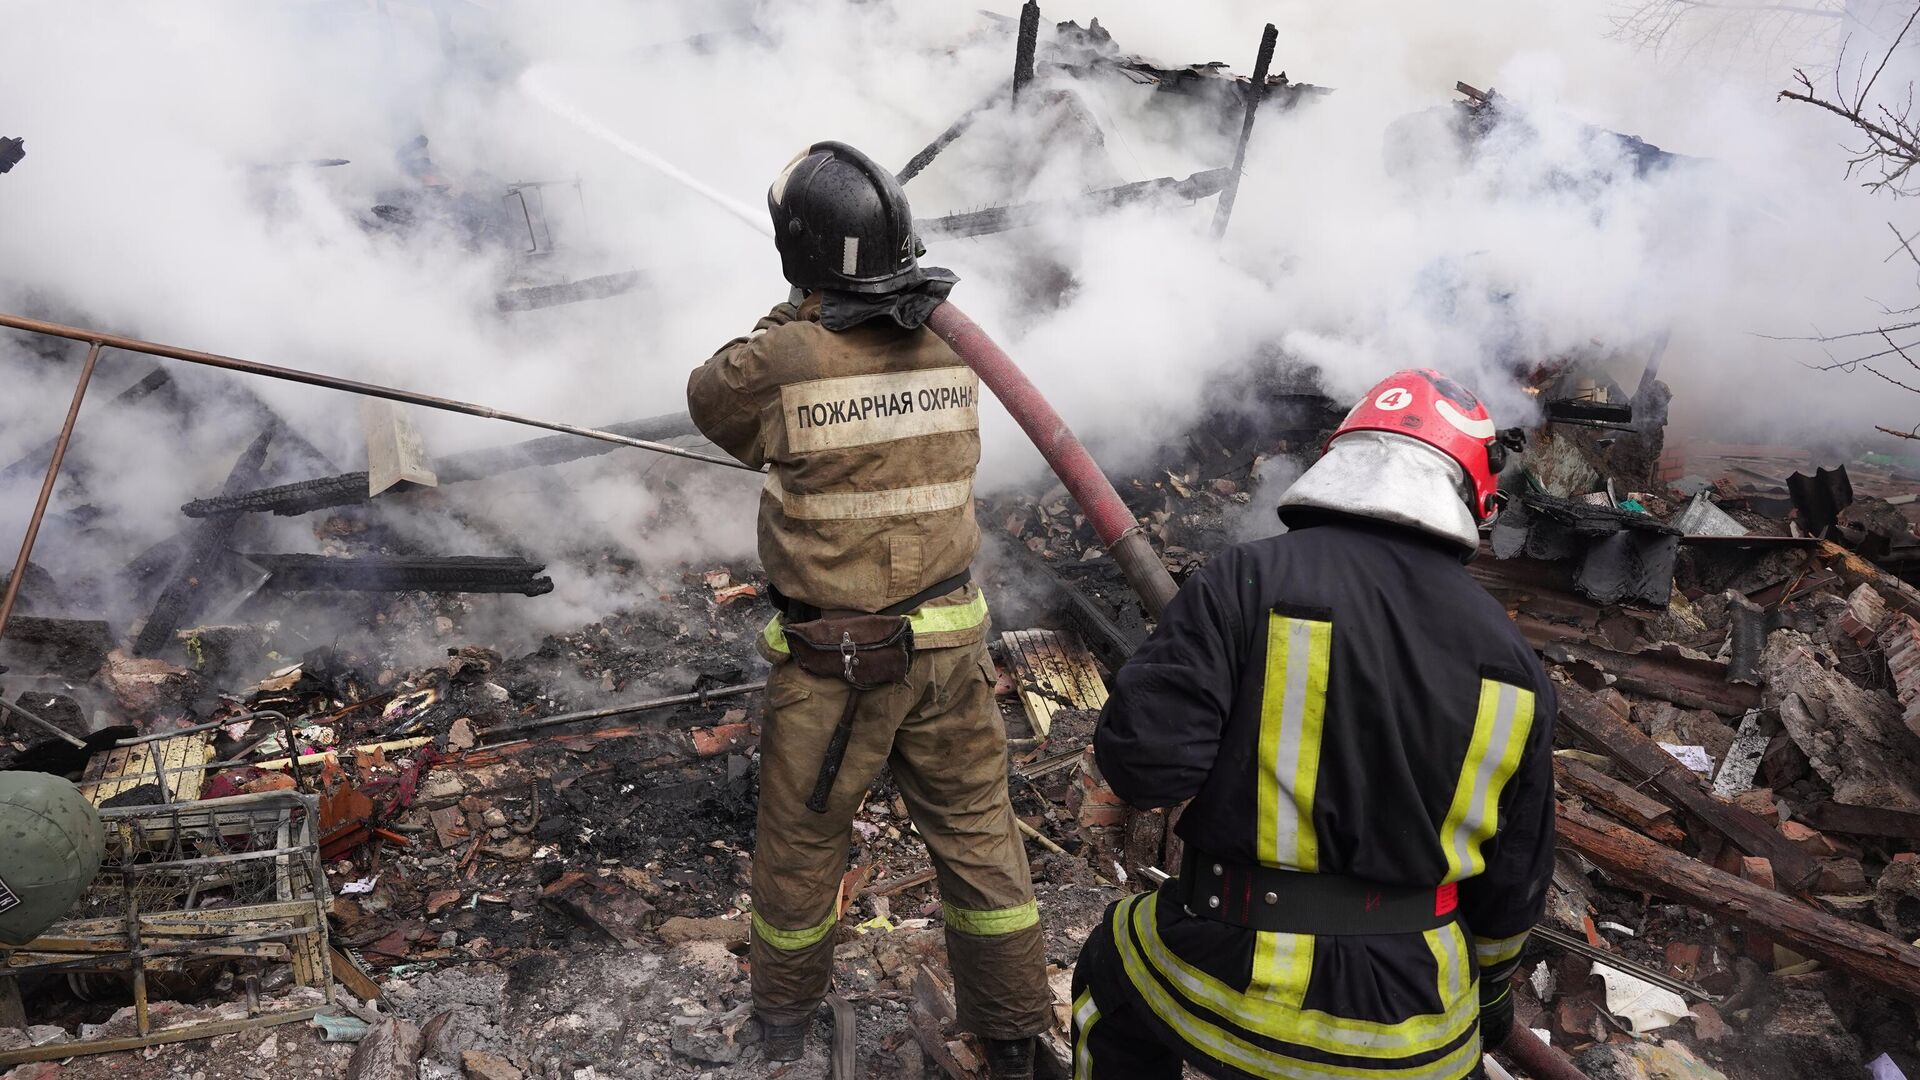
[
  {"x": 1685, "y": 681},
  {"x": 1628, "y": 803},
  {"x": 1641, "y": 863},
  {"x": 1599, "y": 721},
  {"x": 1264, "y": 61},
  {"x": 570, "y": 292},
  {"x": 182, "y": 600},
  {"x": 350, "y": 489},
  {"x": 946, "y": 138},
  {"x": 440, "y": 574},
  {"x": 1854, "y": 820},
  {"x": 288, "y": 500},
  {"x": 1025, "y": 46},
  {"x": 1003, "y": 218}
]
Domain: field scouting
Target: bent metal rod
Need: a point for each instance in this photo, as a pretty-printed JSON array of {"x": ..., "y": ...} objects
[{"x": 100, "y": 341}]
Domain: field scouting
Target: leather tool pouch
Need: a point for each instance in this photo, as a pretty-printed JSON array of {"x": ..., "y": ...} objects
[{"x": 864, "y": 651}]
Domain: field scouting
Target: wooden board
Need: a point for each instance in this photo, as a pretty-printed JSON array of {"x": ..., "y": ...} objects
[
  {"x": 181, "y": 760},
  {"x": 396, "y": 455},
  {"x": 56, "y": 1051},
  {"x": 1052, "y": 670}
]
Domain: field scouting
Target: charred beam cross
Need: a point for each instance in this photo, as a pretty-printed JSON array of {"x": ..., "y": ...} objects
[
  {"x": 1597, "y": 719},
  {"x": 180, "y": 601},
  {"x": 36, "y": 459},
  {"x": 451, "y": 574},
  {"x": 571, "y": 292},
  {"x": 1256, "y": 90},
  {"x": 1003, "y": 218},
  {"x": 1640, "y": 863},
  {"x": 350, "y": 489}
]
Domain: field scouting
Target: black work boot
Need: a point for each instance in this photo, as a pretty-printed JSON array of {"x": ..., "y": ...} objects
[
  {"x": 783, "y": 1042},
  {"x": 1010, "y": 1059}
]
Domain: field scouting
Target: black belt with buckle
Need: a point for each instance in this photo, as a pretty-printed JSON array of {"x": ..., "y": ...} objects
[
  {"x": 799, "y": 612},
  {"x": 1291, "y": 902}
]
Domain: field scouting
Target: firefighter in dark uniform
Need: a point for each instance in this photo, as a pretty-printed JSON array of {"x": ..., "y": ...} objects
[
  {"x": 1366, "y": 740},
  {"x": 868, "y": 425}
]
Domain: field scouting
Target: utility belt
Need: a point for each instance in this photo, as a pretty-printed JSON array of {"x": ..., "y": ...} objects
[
  {"x": 865, "y": 651},
  {"x": 1291, "y": 902}
]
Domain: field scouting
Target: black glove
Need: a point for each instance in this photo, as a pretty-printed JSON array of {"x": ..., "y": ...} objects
[{"x": 1496, "y": 1015}]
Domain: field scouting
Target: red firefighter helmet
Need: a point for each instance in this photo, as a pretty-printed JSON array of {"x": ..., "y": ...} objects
[
  {"x": 1426, "y": 405},
  {"x": 1419, "y": 450}
]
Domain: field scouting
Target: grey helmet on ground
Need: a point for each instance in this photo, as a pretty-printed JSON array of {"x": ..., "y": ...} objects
[{"x": 51, "y": 843}]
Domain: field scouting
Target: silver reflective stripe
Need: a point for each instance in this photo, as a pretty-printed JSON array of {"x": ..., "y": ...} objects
[
  {"x": 1084, "y": 1017},
  {"x": 1454, "y": 979},
  {"x": 850, "y": 256},
  {"x": 860, "y": 505},
  {"x": 1479, "y": 805},
  {"x": 1286, "y": 764}
]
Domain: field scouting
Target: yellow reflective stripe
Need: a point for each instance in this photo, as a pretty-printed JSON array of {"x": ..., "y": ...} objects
[
  {"x": 1492, "y": 952},
  {"x": 1293, "y": 703},
  {"x": 947, "y": 618},
  {"x": 944, "y": 619},
  {"x": 1282, "y": 967},
  {"x": 1499, "y": 735},
  {"x": 991, "y": 923},
  {"x": 791, "y": 940},
  {"x": 1288, "y": 1022},
  {"x": 861, "y": 505},
  {"x": 1224, "y": 1045},
  {"x": 1085, "y": 1015},
  {"x": 1449, "y": 947}
]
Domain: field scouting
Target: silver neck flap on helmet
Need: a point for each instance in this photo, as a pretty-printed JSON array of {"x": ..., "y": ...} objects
[{"x": 1390, "y": 478}]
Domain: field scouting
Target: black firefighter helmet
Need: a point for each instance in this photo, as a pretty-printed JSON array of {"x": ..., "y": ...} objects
[{"x": 842, "y": 222}]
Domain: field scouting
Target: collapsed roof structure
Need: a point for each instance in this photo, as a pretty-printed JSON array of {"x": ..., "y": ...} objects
[{"x": 533, "y": 863}]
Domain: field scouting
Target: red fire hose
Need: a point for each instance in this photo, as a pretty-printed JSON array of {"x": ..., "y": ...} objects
[{"x": 1111, "y": 519}]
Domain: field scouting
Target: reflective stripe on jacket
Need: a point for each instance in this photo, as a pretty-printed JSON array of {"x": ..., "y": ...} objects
[
  {"x": 1340, "y": 699},
  {"x": 870, "y": 437}
]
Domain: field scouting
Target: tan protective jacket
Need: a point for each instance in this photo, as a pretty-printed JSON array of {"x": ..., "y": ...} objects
[{"x": 871, "y": 437}]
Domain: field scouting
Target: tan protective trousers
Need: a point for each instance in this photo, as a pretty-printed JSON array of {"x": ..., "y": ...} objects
[{"x": 942, "y": 735}]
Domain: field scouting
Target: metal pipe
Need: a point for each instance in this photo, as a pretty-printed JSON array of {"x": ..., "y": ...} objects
[
  {"x": 330, "y": 382},
  {"x": 1256, "y": 91},
  {"x": 696, "y": 698},
  {"x": 47, "y": 725},
  {"x": 46, "y": 486},
  {"x": 197, "y": 728},
  {"x": 1091, "y": 489}
]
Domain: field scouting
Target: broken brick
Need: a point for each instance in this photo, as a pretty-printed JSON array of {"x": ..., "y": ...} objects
[{"x": 1900, "y": 641}]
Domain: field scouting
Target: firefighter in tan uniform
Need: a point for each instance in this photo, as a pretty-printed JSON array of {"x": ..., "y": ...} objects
[{"x": 868, "y": 426}]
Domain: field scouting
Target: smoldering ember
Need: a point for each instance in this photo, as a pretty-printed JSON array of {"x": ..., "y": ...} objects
[{"x": 350, "y": 728}]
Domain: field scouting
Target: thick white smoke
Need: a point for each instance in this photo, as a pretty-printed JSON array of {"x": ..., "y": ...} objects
[{"x": 164, "y": 194}]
